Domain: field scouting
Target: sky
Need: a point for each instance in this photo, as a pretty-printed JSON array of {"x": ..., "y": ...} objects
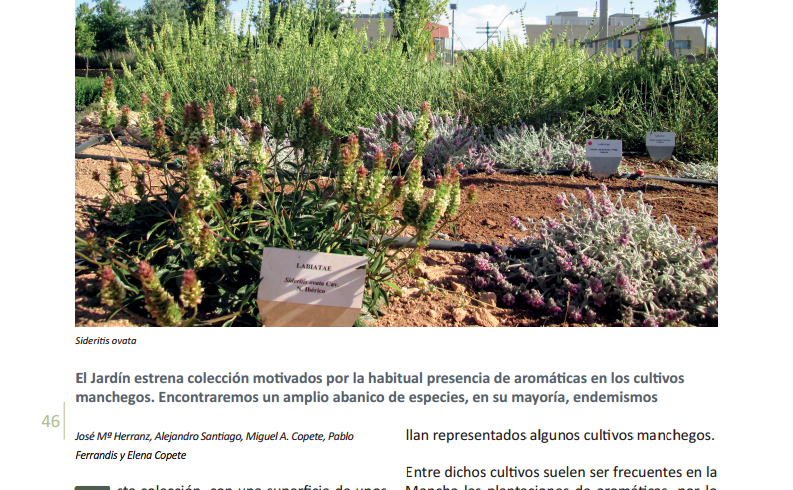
[{"x": 471, "y": 14}]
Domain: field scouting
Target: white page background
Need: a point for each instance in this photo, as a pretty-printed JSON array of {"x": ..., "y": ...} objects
[{"x": 737, "y": 377}]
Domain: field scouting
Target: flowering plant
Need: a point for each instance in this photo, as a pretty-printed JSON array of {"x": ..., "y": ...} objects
[
  {"x": 523, "y": 147},
  {"x": 197, "y": 232},
  {"x": 451, "y": 140},
  {"x": 605, "y": 258}
]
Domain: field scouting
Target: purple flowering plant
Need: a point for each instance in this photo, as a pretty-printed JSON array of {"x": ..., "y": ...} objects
[
  {"x": 450, "y": 141},
  {"x": 604, "y": 258}
]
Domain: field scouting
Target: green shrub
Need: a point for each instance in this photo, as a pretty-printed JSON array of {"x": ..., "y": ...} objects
[
  {"x": 555, "y": 84},
  {"x": 199, "y": 63},
  {"x": 88, "y": 90},
  {"x": 608, "y": 97},
  {"x": 207, "y": 227}
]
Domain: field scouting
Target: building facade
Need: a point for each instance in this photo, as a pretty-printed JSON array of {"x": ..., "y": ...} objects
[
  {"x": 568, "y": 27},
  {"x": 442, "y": 42}
]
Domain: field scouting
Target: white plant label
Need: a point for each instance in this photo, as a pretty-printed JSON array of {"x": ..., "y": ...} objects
[
  {"x": 310, "y": 288},
  {"x": 604, "y": 157},
  {"x": 660, "y": 139},
  {"x": 604, "y": 148},
  {"x": 660, "y": 145}
]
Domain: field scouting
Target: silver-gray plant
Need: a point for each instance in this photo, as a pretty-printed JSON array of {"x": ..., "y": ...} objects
[
  {"x": 606, "y": 258},
  {"x": 523, "y": 147},
  {"x": 700, "y": 171},
  {"x": 454, "y": 141}
]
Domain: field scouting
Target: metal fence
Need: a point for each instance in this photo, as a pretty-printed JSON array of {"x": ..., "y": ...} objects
[{"x": 670, "y": 25}]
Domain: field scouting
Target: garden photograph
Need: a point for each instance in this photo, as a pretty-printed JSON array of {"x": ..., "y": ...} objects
[{"x": 250, "y": 163}]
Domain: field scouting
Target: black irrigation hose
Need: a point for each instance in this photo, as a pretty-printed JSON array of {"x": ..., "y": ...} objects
[
  {"x": 441, "y": 245},
  {"x": 460, "y": 247},
  {"x": 93, "y": 142},
  {"x": 679, "y": 180}
]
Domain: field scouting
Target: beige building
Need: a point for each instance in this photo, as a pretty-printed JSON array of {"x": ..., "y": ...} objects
[
  {"x": 440, "y": 33},
  {"x": 686, "y": 38}
]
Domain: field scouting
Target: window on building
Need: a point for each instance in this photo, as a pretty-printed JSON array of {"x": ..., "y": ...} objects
[
  {"x": 614, "y": 44},
  {"x": 590, "y": 45},
  {"x": 627, "y": 43},
  {"x": 553, "y": 42},
  {"x": 680, "y": 44}
]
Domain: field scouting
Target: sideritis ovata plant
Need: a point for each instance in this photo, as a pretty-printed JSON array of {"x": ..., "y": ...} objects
[
  {"x": 452, "y": 141},
  {"x": 606, "y": 259},
  {"x": 208, "y": 220},
  {"x": 144, "y": 118},
  {"x": 108, "y": 102},
  {"x": 521, "y": 146}
]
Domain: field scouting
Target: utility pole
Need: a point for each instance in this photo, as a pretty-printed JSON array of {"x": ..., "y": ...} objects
[
  {"x": 604, "y": 22},
  {"x": 453, "y": 6},
  {"x": 486, "y": 31}
]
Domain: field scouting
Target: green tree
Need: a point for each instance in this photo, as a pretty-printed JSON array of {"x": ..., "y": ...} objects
[
  {"x": 411, "y": 18},
  {"x": 666, "y": 10},
  {"x": 704, "y": 7},
  {"x": 84, "y": 36},
  {"x": 153, "y": 15},
  {"x": 326, "y": 17},
  {"x": 195, "y": 9},
  {"x": 109, "y": 22}
]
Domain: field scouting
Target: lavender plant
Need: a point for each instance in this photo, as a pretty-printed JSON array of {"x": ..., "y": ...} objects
[
  {"x": 521, "y": 146},
  {"x": 605, "y": 259},
  {"x": 451, "y": 141}
]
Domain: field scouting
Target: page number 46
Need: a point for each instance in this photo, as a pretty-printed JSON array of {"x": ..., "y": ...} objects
[{"x": 51, "y": 421}]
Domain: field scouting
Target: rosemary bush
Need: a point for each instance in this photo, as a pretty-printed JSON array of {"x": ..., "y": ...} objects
[
  {"x": 198, "y": 63},
  {"x": 606, "y": 259},
  {"x": 197, "y": 232},
  {"x": 608, "y": 97},
  {"x": 661, "y": 94}
]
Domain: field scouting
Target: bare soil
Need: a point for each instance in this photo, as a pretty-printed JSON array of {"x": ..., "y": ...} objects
[{"x": 440, "y": 293}]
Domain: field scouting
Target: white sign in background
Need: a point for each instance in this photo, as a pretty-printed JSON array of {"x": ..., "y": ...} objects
[
  {"x": 660, "y": 139},
  {"x": 660, "y": 146},
  {"x": 312, "y": 278}
]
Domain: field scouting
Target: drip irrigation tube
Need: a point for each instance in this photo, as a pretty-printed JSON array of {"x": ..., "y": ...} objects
[
  {"x": 460, "y": 247},
  {"x": 679, "y": 180}
]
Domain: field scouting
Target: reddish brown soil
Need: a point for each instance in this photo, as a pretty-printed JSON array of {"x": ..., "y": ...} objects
[{"x": 441, "y": 290}]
